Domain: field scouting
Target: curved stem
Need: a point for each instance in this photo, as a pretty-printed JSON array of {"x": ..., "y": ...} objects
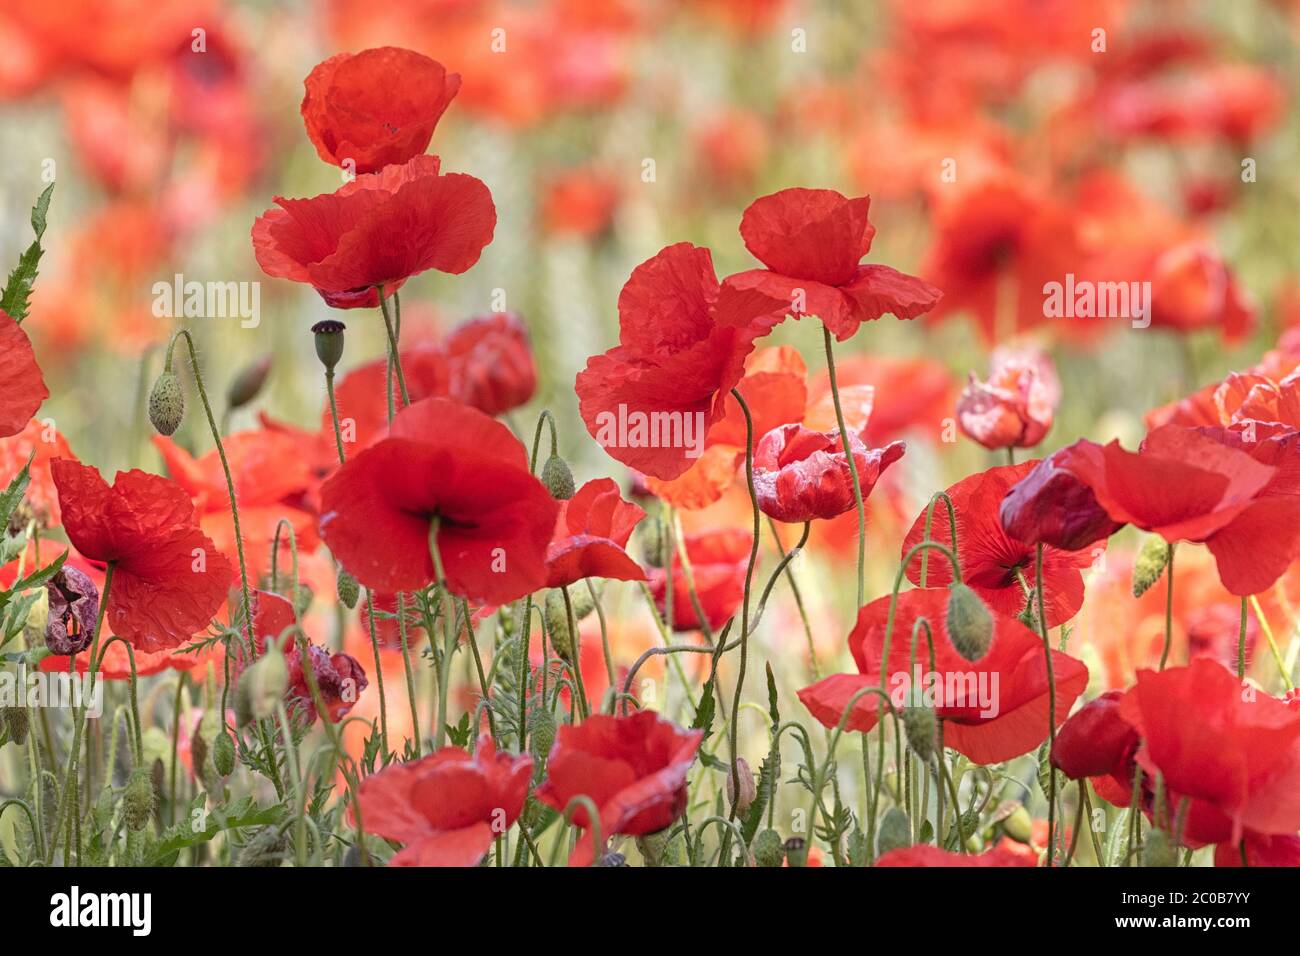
[
  {"x": 1051, "y": 704},
  {"x": 853, "y": 468}
]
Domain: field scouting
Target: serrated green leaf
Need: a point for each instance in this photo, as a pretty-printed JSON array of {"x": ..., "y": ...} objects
[
  {"x": 18, "y": 288},
  {"x": 704, "y": 711},
  {"x": 245, "y": 813},
  {"x": 14, "y": 493},
  {"x": 771, "y": 696}
]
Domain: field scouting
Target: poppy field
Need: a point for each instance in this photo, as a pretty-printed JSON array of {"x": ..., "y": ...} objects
[{"x": 615, "y": 433}]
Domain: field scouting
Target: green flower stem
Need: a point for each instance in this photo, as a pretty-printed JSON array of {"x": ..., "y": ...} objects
[
  {"x": 575, "y": 644},
  {"x": 1051, "y": 699},
  {"x": 798, "y": 602},
  {"x": 394, "y": 358},
  {"x": 1169, "y": 601},
  {"x": 853, "y": 468}
]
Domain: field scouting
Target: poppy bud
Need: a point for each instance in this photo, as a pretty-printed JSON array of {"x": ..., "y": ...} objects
[
  {"x": 223, "y": 754},
  {"x": 895, "y": 831},
  {"x": 166, "y": 403},
  {"x": 15, "y": 723},
  {"x": 796, "y": 851},
  {"x": 138, "y": 800},
  {"x": 348, "y": 589},
  {"x": 557, "y": 618},
  {"x": 1159, "y": 850},
  {"x": 329, "y": 342},
  {"x": 247, "y": 385},
  {"x": 541, "y": 728},
  {"x": 73, "y": 612},
  {"x": 654, "y": 847},
  {"x": 557, "y": 478},
  {"x": 743, "y": 795},
  {"x": 302, "y": 598},
  {"x": 265, "y": 849},
  {"x": 922, "y": 731},
  {"x": 654, "y": 543},
  {"x": 970, "y": 625},
  {"x": 266, "y": 681},
  {"x": 1017, "y": 823},
  {"x": 768, "y": 849},
  {"x": 1150, "y": 563}
]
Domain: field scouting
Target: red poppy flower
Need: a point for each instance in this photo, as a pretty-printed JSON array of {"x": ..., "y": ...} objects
[
  {"x": 339, "y": 678},
  {"x": 1260, "y": 850},
  {"x": 1097, "y": 741},
  {"x": 450, "y": 462},
  {"x": 933, "y": 856},
  {"x": 43, "y": 439},
  {"x": 168, "y": 577},
  {"x": 1188, "y": 485},
  {"x": 380, "y": 229},
  {"x": 812, "y": 241},
  {"x": 993, "y": 709},
  {"x": 683, "y": 339},
  {"x": 448, "y": 807},
  {"x": 490, "y": 363},
  {"x": 900, "y": 395},
  {"x": 579, "y": 202},
  {"x": 718, "y": 562},
  {"x": 591, "y": 535},
  {"x": 992, "y": 562},
  {"x": 23, "y": 389},
  {"x": 632, "y": 768},
  {"x": 801, "y": 474},
  {"x": 363, "y": 404},
  {"x": 377, "y": 107},
  {"x": 1015, "y": 407},
  {"x": 1050, "y": 505}
]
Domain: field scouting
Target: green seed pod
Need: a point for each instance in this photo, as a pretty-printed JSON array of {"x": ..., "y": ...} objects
[
  {"x": 922, "y": 726},
  {"x": 248, "y": 384},
  {"x": 16, "y": 723},
  {"x": 265, "y": 849},
  {"x": 348, "y": 589},
  {"x": 329, "y": 342},
  {"x": 895, "y": 831},
  {"x": 166, "y": 403},
  {"x": 970, "y": 625},
  {"x": 138, "y": 800},
  {"x": 1159, "y": 850},
  {"x": 768, "y": 849},
  {"x": 1150, "y": 563},
  {"x": 796, "y": 851},
  {"x": 557, "y": 478},
  {"x": 223, "y": 754}
]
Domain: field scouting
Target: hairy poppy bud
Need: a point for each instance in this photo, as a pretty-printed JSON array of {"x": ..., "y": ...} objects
[
  {"x": 970, "y": 625},
  {"x": 541, "y": 730},
  {"x": 557, "y": 478},
  {"x": 329, "y": 342},
  {"x": 266, "y": 680},
  {"x": 741, "y": 795},
  {"x": 73, "y": 612},
  {"x": 266, "y": 848},
  {"x": 1017, "y": 823},
  {"x": 922, "y": 728},
  {"x": 302, "y": 598},
  {"x": 166, "y": 403},
  {"x": 348, "y": 589},
  {"x": 557, "y": 618},
  {"x": 895, "y": 831},
  {"x": 15, "y": 722},
  {"x": 768, "y": 848},
  {"x": 138, "y": 800},
  {"x": 223, "y": 754},
  {"x": 247, "y": 385},
  {"x": 1159, "y": 850},
  {"x": 1150, "y": 563},
  {"x": 654, "y": 542},
  {"x": 654, "y": 847}
]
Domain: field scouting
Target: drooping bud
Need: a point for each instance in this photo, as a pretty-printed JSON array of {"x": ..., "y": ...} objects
[
  {"x": 348, "y": 589},
  {"x": 1159, "y": 850},
  {"x": 265, "y": 849},
  {"x": 266, "y": 681},
  {"x": 73, "y": 612},
  {"x": 558, "y": 479},
  {"x": 329, "y": 342},
  {"x": 541, "y": 730},
  {"x": 922, "y": 727},
  {"x": 742, "y": 795},
  {"x": 654, "y": 542},
  {"x": 557, "y": 617},
  {"x": 768, "y": 849},
  {"x": 895, "y": 831},
  {"x": 223, "y": 754},
  {"x": 654, "y": 847},
  {"x": 1016, "y": 821},
  {"x": 970, "y": 625},
  {"x": 15, "y": 723},
  {"x": 1150, "y": 563},
  {"x": 138, "y": 800},
  {"x": 248, "y": 384},
  {"x": 166, "y": 403}
]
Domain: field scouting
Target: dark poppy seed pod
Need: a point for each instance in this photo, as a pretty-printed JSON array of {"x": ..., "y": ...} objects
[
  {"x": 73, "y": 612},
  {"x": 895, "y": 831},
  {"x": 1150, "y": 563},
  {"x": 248, "y": 384},
  {"x": 970, "y": 625},
  {"x": 329, "y": 342},
  {"x": 15, "y": 723},
  {"x": 223, "y": 754},
  {"x": 348, "y": 589},
  {"x": 166, "y": 403},
  {"x": 796, "y": 851},
  {"x": 1159, "y": 850},
  {"x": 922, "y": 727},
  {"x": 138, "y": 800},
  {"x": 768, "y": 849},
  {"x": 557, "y": 478}
]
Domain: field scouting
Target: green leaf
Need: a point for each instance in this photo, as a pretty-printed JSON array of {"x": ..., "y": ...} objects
[
  {"x": 459, "y": 735},
  {"x": 14, "y": 493},
  {"x": 771, "y": 696},
  {"x": 245, "y": 813},
  {"x": 704, "y": 711},
  {"x": 39, "y": 577},
  {"x": 19, "y": 286},
  {"x": 767, "y": 781}
]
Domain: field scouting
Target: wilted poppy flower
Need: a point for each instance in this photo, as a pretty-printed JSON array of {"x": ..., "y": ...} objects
[
  {"x": 375, "y": 108},
  {"x": 993, "y": 709},
  {"x": 380, "y": 229},
  {"x": 924, "y": 855},
  {"x": 1049, "y": 505},
  {"x": 1014, "y": 408},
  {"x": 339, "y": 679},
  {"x": 73, "y": 612},
  {"x": 718, "y": 561},
  {"x": 591, "y": 535},
  {"x": 22, "y": 388},
  {"x": 446, "y": 462},
  {"x": 801, "y": 474},
  {"x": 448, "y": 807},
  {"x": 632, "y": 768},
  {"x": 997, "y": 566},
  {"x": 812, "y": 241},
  {"x": 683, "y": 340},
  {"x": 168, "y": 577},
  {"x": 1188, "y": 485},
  {"x": 41, "y": 501}
]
